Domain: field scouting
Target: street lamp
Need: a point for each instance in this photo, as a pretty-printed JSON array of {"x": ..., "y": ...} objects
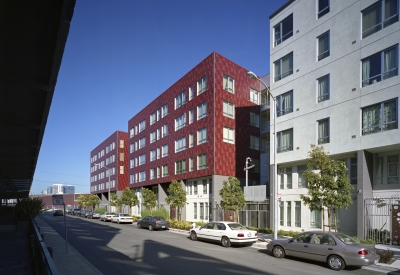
[
  {"x": 274, "y": 194},
  {"x": 246, "y": 168},
  {"x": 109, "y": 185}
]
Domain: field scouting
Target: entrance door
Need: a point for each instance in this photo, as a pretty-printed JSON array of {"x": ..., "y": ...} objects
[{"x": 395, "y": 224}]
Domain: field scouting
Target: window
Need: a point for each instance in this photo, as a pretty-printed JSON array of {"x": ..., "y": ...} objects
[
  {"x": 142, "y": 159},
  {"x": 142, "y": 176},
  {"x": 297, "y": 214},
  {"x": 289, "y": 177},
  {"x": 201, "y": 161},
  {"x": 372, "y": 16},
  {"x": 158, "y": 172},
  {"x": 195, "y": 188},
  {"x": 228, "y": 109},
  {"x": 283, "y": 67},
  {"x": 131, "y": 148},
  {"x": 191, "y": 142},
  {"x": 180, "y": 100},
  {"x": 180, "y": 167},
  {"x": 158, "y": 114},
  {"x": 255, "y": 119},
  {"x": 153, "y": 155},
  {"x": 284, "y": 103},
  {"x": 132, "y": 163},
  {"x": 393, "y": 169},
  {"x": 164, "y": 130},
  {"x": 158, "y": 153},
  {"x": 158, "y": 133},
  {"x": 380, "y": 66},
  {"x": 152, "y": 137},
  {"x": 191, "y": 164},
  {"x": 285, "y": 141},
  {"x": 201, "y": 136},
  {"x": 180, "y": 144},
  {"x": 195, "y": 210},
  {"x": 283, "y": 30},
  {"x": 191, "y": 116},
  {"x": 323, "y": 7},
  {"x": 281, "y": 213},
  {"x": 132, "y": 179},
  {"x": 289, "y": 213},
  {"x": 323, "y": 131},
  {"x": 191, "y": 92},
  {"x": 316, "y": 219},
  {"x": 142, "y": 142},
  {"x": 164, "y": 110},
  {"x": 201, "y": 210},
  {"x": 152, "y": 173},
  {"x": 132, "y": 132},
  {"x": 153, "y": 118},
  {"x": 136, "y": 145},
  {"x": 323, "y": 88},
  {"x": 254, "y": 95},
  {"x": 204, "y": 187},
  {"x": 121, "y": 156},
  {"x": 180, "y": 122},
  {"x": 379, "y": 170},
  {"x": 121, "y": 169},
  {"x": 379, "y": 117},
  {"x": 323, "y": 46},
  {"x": 202, "y": 110},
  {"x": 164, "y": 150},
  {"x": 165, "y": 170},
  {"x": 229, "y": 135},
  {"x": 142, "y": 126},
  {"x": 300, "y": 171},
  {"x": 228, "y": 84},
  {"x": 254, "y": 142},
  {"x": 353, "y": 171},
  {"x": 202, "y": 85}
]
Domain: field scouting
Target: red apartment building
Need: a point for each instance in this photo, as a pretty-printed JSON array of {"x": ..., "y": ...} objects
[
  {"x": 199, "y": 132},
  {"x": 109, "y": 163}
]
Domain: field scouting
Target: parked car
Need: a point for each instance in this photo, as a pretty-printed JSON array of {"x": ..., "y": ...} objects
[
  {"x": 153, "y": 222},
  {"x": 76, "y": 211},
  {"x": 226, "y": 233},
  {"x": 69, "y": 211},
  {"x": 83, "y": 212},
  {"x": 122, "y": 218},
  {"x": 87, "y": 213},
  {"x": 58, "y": 212},
  {"x": 336, "y": 249},
  {"x": 106, "y": 216},
  {"x": 93, "y": 215}
]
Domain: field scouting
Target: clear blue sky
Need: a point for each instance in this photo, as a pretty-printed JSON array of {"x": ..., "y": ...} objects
[{"x": 120, "y": 55}]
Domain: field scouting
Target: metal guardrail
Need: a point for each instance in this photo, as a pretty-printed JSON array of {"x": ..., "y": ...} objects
[{"x": 41, "y": 256}]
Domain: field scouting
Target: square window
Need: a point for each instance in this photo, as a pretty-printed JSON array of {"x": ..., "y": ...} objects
[
  {"x": 254, "y": 96},
  {"x": 283, "y": 30},
  {"x": 228, "y": 84},
  {"x": 284, "y": 103},
  {"x": 228, "y": 109},
  {"x": 202, "y": 110},
  {"x": 285, "y": 141},
  {"x": 201, "y": 161},
  {"x": 323, "y": 7},
  {"x": 372, "y": 16},
  {"x": 283, "y": 67},
  {"x": 323, "y": 88},
  {"x": 202, "y": 85},
  {"x": 229, "y": 135},
  {"x": 323, "y": 46},
  {"x": 254, "y": 119},
  {"x": 201, "y": 136},
  {"x": 380, "y": 117},
  {"x": 323, "y": 131}
]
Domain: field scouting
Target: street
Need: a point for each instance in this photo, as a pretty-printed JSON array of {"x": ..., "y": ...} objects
[{"x": 124, "y": 249}]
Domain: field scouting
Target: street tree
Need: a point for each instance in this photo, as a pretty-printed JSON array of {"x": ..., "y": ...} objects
[
  {"x": 149, "y": 199},
  {"x": 129, "y": 198},
  {"x": 328, "y": 184},
  {"x": 232, "y": 196},
  {"x": 82, "y": 200},
  {"x": 93, "y": 200},
  {"x": 115, "y": 201},
  {"x": 176, "y": 197}
]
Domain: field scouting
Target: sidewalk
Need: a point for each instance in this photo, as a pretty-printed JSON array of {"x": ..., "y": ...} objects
[{"x": 67, "y": 260}]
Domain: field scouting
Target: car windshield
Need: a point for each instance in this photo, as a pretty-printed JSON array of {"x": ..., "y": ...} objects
[
  {"x": 236, "y": 226},
  {"x": 346, "y": 239}
]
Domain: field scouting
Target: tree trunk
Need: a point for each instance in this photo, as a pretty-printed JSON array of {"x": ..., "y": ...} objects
[
  {"x": 179, "y": 214},
  {"x": 237, "y": 216},
  {"x": 329, "y": 218},
  {"x": 334, "y": 216},
  {"x": 323, "y": 219}
]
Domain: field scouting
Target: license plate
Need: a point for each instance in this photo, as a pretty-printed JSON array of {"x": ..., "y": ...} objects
[
  {"x": 163, "y": 226},
  {"x": 248, "y": 234}
]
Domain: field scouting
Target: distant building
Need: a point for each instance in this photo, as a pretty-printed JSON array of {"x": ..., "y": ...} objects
[
  {"x": 69, "y": 189},
  {"x": 50, "y": 190}
]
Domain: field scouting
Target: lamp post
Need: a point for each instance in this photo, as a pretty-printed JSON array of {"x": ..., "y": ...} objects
[
  {"x": 109, "y": 185},
  {"x": 274, "y": 194},
  {"x": 246, "y": 168}
]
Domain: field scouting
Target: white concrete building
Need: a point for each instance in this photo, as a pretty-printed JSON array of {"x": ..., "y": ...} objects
[
  {"x": 69, "y": 189},
  {"x": 334, "y": 73}
]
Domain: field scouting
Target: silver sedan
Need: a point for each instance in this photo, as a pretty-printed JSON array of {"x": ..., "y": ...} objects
[{"x": 334, "y": 248}]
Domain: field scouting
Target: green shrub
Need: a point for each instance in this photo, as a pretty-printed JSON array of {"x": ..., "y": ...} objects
[
  {"x": 386, "y": 256},
  {"x": 183, "y": 225},
  {"x": 29, "y": 207},
  {"x": 162, "y": 212},
  {"x": 100, "y": 210},
  {"x": 367, "y": 241},
  {"x": 135, "y": 218}
]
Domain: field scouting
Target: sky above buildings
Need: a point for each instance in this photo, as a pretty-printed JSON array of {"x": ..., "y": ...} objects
[{"x": 120, "y": 55}]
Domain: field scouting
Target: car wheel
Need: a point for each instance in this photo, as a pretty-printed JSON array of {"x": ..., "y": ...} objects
[
  {"x": 193, "y": 236},
  {"x": 150, "y": 227},
  {"x": 336, "y": 263},
  {"x": 278, "y": 251},
  {"x": 138, "y": 225},
  {"x": 225, "y": 242}
]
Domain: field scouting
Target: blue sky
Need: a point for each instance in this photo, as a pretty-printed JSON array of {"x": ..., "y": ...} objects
[{"x": 120, "y": 55}]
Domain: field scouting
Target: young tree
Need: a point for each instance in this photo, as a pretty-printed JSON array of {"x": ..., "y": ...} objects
[
  {"x": 115, "y": 201},
  {"x": 93, "y": 200},
  {"x": 232, "y": 196},
  {"x": 327, "y": 182},
  {"x": 176, "y": 196},
  {"x": 129, "y": 198},
  {"x": 82, "y": 200},
  {"x": 149, "y": 199}
]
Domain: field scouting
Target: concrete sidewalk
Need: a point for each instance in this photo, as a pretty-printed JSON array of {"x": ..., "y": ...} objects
[{"x": 67, "y": 260}]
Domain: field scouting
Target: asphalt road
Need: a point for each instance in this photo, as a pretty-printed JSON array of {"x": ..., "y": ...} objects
[{"x": 124, "y": 249}]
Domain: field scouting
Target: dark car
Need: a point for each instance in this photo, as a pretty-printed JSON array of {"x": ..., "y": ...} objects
[
  {"x": 336, "y": 249},
  {"x": 58, "y": 212},
  {"x": 153, "y": 222},
  {"x": 76, "y": 211}
]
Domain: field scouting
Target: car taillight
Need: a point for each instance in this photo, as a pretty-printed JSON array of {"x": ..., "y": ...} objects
[
  {"x": 240, "y": 235},
  {"x": 256, "y": 234},
  {"x": 363, "y": 252},
  {"x": 157, "y": 222},
  {"x": 167, "y": 222}
]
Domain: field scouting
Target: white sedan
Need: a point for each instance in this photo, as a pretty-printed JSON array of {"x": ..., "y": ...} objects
[
  {"x": 226, "y": 233},
  {"x": 122, "y": 218}
]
